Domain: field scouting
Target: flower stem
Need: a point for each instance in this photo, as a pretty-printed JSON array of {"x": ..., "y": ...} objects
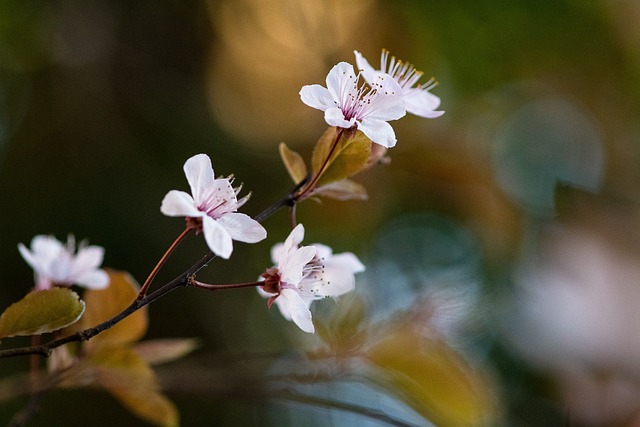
[
  {"x": 311, "y": 185},
  {"x": 154, "y": 272},
  {"x": 197, "y": 284}
]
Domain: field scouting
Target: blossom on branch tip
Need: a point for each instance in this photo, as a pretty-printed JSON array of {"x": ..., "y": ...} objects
[
  {"x": 418, "y": 100},
  {"x": 346, "y": 104},
  {"x": 305, "y": 274},
  {"x": 56, "y": 264},
  {"x": 212, "y": 208}
]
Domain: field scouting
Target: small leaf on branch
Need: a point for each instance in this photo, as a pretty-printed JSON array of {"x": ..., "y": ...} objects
[
  {"x": 293, "y": 162},
  {"x": 40, "y": 312},
  {"x": 349, "y": 156},
  {"x": 343, "y": 190}
]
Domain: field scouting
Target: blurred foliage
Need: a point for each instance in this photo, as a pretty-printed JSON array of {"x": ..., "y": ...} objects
[{"x": 522, "y": 199}]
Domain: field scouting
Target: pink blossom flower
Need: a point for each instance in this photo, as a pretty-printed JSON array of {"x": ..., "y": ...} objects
[
  {"x": 306, "y": 274},
  {"x": 418, "y": 100},
  {"x": 212, "y": 205},
  {"x": 56, "y": 264},
  {"x": 348, "y": 105}
]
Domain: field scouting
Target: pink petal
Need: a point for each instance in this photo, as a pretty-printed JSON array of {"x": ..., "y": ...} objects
[
  {"x": 341, "y": 76},
  {"x": 335, "y": 117},
  {"x": 95, "y": 279},
  {"x": 364, "y": 66}
]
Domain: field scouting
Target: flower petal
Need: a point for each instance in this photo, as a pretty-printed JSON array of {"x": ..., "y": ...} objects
[
  {"x": 199, "y": 173},
  {"x": 179, "y": 203},
  {"x": 293, "y": 307},
  {"x": 335, "y": 117},
  {"x": 378, "y": 131},
  {"x": 217, "y": 237},
  {"x": 316, "y": 96},
  {"x": 341, "y": 80},
  {"x": 292, "y": 241},
  {"x": 363, "y": 65},
  {"x": 422, "y": 103},
  {"x": 89, "y": 257},
  {"x": 242, "y": 227},
  {"x": 94, "y": 279},
  {"x": 291, "y": 270}
]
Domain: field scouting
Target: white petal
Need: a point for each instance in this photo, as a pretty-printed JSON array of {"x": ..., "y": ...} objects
[
  {"x": 199, "y": 173},
  {"x": 292, "y": 241},
  {"x": 95, "y": 279},
  {"x": 217, "y": 237},
  {"x": 276, "y": 252},
  {"x": 291, "y": 268},
  {"x": 335, "y": 117},
  {"x": 338, "y": 277},
  {"x": 323, "y": 251},
  {"x": 293, "y": 307},
  {"x": 317, "y": 97},
  {"x": 364, "y": 66},
  {"x": 28, "y": 256},
  {"x": 378, "y": 131},
  {"x": 242, "y": 227},
  {"x": 341, "y": 77},
  {"x": 348, "y": 261},
  {"x": 88, "y": 258},
  {"x": 422, "y": 103},
  {"x": 179, "y": 203}
]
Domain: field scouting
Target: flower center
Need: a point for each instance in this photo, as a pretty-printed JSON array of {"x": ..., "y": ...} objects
[{"x": 358, "y": 102}]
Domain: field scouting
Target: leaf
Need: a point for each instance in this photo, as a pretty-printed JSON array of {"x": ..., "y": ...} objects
[
  {"x": 41, "y": 311},
  {"x": 349, "y": 156},
  {"x": 343, "y": 190},
  {"x": 160, "y": 351},
  {"x": 103, "y": 304},
  {"x": 431, "y": 378},
  {"x": 131, "y": 380},
  {"x": 293, "y": 162}
]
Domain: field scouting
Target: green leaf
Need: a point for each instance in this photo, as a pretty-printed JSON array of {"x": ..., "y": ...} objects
[
  {"x": 293, "y": 162},
  {"x": 40, "y": 312},
  {"x": 350, "y": 155}
]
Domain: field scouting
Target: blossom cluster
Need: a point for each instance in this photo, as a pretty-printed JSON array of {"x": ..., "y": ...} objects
[{"x": 301, "y": 274}]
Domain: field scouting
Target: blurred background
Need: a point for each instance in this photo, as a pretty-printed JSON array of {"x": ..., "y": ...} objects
[{"x": 501, "y": 242}]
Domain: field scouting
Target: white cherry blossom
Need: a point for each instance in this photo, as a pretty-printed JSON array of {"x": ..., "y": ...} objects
[
  {"x": 56, "y": 264},
  {"x": 306, "y": 274},
  {"x": 418, "y": 100},
  {"x": 346, "y": 104},
  {"x": 212, "y": 206}
]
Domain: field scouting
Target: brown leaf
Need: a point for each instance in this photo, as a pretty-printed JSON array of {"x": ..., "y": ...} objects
[
  {"x": 131, "y": 380},
  {"x": 293, "y": 162},
  {"x": 160, "y": 351},
  {"x": 431, "y": 378},
  {"x": 343, "y": 190},
  {"x": 103, "y": 304}
]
